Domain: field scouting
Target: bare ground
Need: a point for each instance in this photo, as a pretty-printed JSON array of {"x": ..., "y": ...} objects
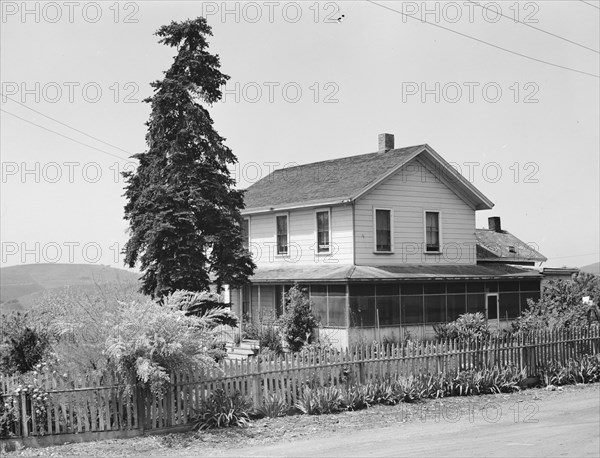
[{"x": 534, "y": 422}]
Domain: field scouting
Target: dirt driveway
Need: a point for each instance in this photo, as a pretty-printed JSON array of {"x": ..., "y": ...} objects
[{"x": 531, "y": 423}]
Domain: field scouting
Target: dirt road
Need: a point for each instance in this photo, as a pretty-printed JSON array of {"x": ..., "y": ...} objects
[{"x": 565, "y": 425}]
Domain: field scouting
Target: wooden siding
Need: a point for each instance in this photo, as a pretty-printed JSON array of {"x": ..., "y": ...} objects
[
  {"x": 409, "y": 193},
  {"x": 302, "y": 237}
]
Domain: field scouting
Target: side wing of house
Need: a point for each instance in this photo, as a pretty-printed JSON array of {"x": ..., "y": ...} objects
[{"x": 408, "y": 196}]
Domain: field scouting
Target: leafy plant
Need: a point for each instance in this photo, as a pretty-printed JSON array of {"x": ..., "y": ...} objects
[
  {"x": 273, "y": 406},
  {"x": 298, "y": 322},
  {"x": 202, "y": 303},
  {"x": 320, "y": 400},
  {"x": 152, "y": 340},
  {"x": 9, "y": 416},
  {"x": 561, "y": 305},
  {"x": 217, "y": 351},
  {"x": 466, "y": 326},
  {"x": 220, "y": 410},
  {"x": 270, "y": 338},
  {"x": 355, "y": 397},
  {"x": 22, "y": 344},
  {"x": 582, "y": 370}
]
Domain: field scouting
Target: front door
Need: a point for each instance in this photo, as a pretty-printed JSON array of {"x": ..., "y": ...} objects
[{"x": 492, "y": 306}]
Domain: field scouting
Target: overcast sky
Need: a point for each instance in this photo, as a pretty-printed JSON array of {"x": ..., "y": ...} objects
[{"x": 304, "y": 87}]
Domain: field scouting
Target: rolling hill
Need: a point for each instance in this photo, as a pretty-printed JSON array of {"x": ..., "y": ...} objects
[
  {"x": 21, "y": 285},
  {"x": 591, "y": 268}
]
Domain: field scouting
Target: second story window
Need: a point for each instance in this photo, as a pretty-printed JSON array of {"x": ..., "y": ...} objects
[
  {"x": 246, "y": 232},
  {"x": 432, "y": 231},
  {"x": 323, "y": 231},
  {"x": 282, "y": 234},
  {"x": 383, "y": 230}
]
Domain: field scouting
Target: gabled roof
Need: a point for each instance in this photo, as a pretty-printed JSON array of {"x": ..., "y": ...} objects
[
  {"x": 347, "y": 272},
  {"x": 502, "y": 246},
  {"x": 343, "y": 180}
]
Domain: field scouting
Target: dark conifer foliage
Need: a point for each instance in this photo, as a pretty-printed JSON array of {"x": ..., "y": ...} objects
[{"x": 182, "y": 207}]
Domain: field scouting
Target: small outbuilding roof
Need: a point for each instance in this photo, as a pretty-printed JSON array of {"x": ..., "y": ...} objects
[{"x": 502, "y": 246}]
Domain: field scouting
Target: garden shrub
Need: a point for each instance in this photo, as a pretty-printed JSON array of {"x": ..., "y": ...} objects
[
  {"x": 561, "y": 305},
  {"x": 220, "y": 410},
  {"x": 320, "y": 400},
  {"x": 582, "y": 370},
  {"x": 270, "y": 339},
  {"x": 200, "y": 304},
  {"x": 9, "y": 416},
  {"x": 273, "y": 406},
  {"x": 466, "y": 326},
  {"x": 298, "y": 322},
  {"x": 23, "y": 344}
]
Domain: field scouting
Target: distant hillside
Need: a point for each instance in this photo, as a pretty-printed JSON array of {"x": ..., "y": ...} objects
[
  {"x": 591, "y": 268},
  {"x": 20, "y": 285}
]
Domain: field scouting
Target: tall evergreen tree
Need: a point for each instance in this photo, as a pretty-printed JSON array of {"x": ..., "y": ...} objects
[{"x": 183, "y": 211}]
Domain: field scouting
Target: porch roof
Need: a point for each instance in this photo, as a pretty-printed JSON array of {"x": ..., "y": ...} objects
[{"x": 350, "y": 273}]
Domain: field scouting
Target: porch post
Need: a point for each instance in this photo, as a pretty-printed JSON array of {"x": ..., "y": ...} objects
[
  {"x": 259, "y": 305},
  {"x": 241, "y": 301},
  {"x": 348, "y": 314}
]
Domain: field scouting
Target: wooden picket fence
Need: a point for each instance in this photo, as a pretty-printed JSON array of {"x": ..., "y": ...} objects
[{"x": 83, "y": 405}]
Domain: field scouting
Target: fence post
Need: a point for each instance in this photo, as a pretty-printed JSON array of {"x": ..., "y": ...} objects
[
  {"x": 256, "y": 385},
  {"x": 361, "y": 365},
  {"x": 530, "y": 356},
  {"x": 169, "y": 401},
  {"x": 141, "y": 407},
  {"x": 24, "y": 421}
]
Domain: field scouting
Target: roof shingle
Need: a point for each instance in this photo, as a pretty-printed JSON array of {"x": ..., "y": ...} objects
[{"x": 326, "y": 181}]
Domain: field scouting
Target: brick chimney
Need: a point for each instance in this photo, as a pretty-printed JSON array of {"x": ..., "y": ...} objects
[
  {"x": 386, "y": 142},
  {"x": 494, "y": 224}
]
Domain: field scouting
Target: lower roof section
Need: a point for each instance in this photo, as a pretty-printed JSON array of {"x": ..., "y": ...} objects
[{"x": 349, "y": 273}]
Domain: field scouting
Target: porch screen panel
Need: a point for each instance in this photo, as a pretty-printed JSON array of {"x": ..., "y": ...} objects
[
  {"x": 533, "y": 295},
  {"x": 362, "y": 305},
  {"x": 412, "y": 309},
  {"x": 476, "y": 303},
  {"x": 388, "y": 304},
  {"x": 456, "y": 305},
  {"x": 509, "y": 299},
  {"x": 435, "y": 308},
  {"x": 529, "y": 290},
  {"x": 509, "y": 305},
  {"x": 318, "y": 297},
  {"x": 336, "y": 303}
]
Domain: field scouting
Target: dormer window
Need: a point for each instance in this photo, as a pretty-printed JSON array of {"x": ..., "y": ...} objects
[
  {"x": 282, "y": 234},
  {"x": 511, "y": 249},
  {"x": 323, "y": 232}
]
